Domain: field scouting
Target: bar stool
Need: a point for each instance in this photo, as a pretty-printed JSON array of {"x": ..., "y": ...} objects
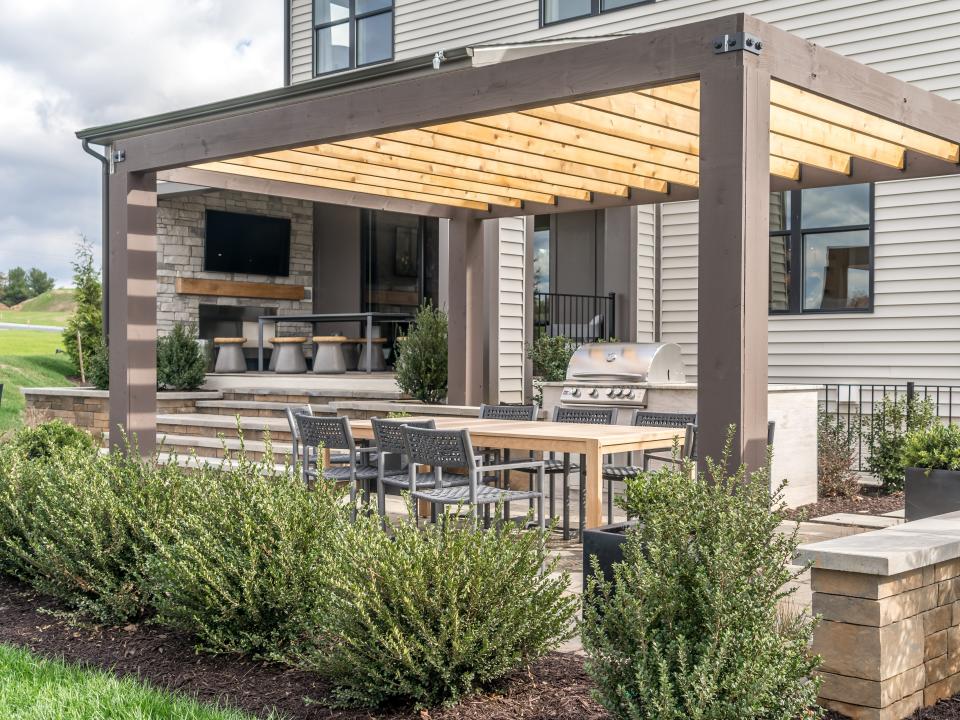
[
  {"x": 351, "y": 352},
  {"x": 328, "y": 355},
  {"x": 230, "y": 355},
  {"x": 289, "y": 352},
  {"x": 378, "y": 365}
]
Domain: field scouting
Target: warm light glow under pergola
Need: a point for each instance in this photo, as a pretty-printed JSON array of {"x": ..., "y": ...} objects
[{"x": 644, "y": 140}]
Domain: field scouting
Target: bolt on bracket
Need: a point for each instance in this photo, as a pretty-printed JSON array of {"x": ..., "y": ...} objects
[{"x": 736, "y": 42}]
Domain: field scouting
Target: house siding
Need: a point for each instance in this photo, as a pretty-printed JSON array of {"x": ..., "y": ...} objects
[
  {"x": 511, "y": 309},
  {"x": 301, "y": 40}
]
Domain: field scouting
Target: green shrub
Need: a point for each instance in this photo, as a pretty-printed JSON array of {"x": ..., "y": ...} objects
[
  {"x": 934, "y": 448},
  {"x": 75, "y": 526},
  {"x": 421, "y": 366},
  {"x": 181, "y": 364},
  {"x": 691, "y": 626},
  {"x": 98, "y": 367},
  {"x": 889, "y": 426},
  {"x": 51, "y": 439},
  {"x": 550, "y": 357},
  {"x": 87, "y": 319},
  {"x": 428, "y": 616},
  {"x": 836, "y": 457},
  {"x": 243, "y": 563}
]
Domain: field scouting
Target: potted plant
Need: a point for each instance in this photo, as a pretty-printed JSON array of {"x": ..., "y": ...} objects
[
  {"x": 931, "y": 461},
  {"x": 606, "y": 544}
]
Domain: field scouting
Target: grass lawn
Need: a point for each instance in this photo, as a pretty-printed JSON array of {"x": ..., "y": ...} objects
[
  {"x": 50, "y": 308},
  {"x": 35, "y": 689},
  {"x": 28, "y": 359}
]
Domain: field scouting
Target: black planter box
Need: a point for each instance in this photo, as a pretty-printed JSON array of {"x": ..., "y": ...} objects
[
  {"x": 930, "y": 492},
  {"x": 606, "y": 542}
]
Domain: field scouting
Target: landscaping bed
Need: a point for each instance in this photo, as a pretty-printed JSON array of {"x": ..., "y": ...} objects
[
  {"x": 555, "y": 687},
  {"x": 868, "y": 502}
]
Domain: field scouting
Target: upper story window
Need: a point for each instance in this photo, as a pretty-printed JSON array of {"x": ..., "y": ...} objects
[
  {"x": 351, "y": 33},
  {"x": 555, "y": 11},
  {"x": 821, "y": 250}
]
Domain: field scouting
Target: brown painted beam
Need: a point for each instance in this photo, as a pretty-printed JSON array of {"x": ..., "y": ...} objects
[
  {"x": 734, "y": 259},
  {"x": 233, "y": 288},
  {"x": 466, "y": 310},
  {"x": 593, "y": 70},
  {"x": 133, "y": 311}
]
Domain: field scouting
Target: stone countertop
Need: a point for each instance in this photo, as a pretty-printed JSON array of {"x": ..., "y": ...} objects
[
  {"x": 890, "y": 551},
  {"x": 774, "y": 388}
]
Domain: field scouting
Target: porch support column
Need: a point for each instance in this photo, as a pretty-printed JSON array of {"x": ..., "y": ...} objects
[
  {"x": 734, "y": 258},
  {"x": 466, "y": 345},
  {"x": 133, "y": 310}
]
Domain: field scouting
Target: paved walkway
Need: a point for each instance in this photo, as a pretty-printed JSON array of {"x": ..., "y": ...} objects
[{"x": 24, "y": 326}]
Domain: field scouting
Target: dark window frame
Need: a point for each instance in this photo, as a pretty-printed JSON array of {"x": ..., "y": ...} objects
[
  {"x": 351, "y": 21},
  {"x": 797, "y": 270},
  {"x": 596, "y": 8}
]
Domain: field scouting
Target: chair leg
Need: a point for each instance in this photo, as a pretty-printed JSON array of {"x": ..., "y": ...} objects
[
  {"x": 566, "y": 496},
  {"x": 506, "y": 484},
  {"x": 553, "y": 487},
  {"x": 382, "y": 501},
  {"x": 610, "y": 501}
]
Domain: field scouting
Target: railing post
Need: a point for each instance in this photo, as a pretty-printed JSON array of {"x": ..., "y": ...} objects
[
  {"x": 613, "y": 316},
  {"x": 911, "y": 391}
]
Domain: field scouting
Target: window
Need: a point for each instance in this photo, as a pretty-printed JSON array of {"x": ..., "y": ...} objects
[
  {"x": 351, "y": 33},
  {"x": 541, "y": 253},
  {"x": 821, "y": 250},
  {"x": 556, "y": 11}
]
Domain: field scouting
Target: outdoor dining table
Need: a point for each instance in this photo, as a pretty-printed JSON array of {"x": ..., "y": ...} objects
[
  {"x": 314, "y": 318},
  {"x": 590, "y": 441}
]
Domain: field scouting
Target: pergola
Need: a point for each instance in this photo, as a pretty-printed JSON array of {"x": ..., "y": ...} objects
[{"x": 724, "y": 110}]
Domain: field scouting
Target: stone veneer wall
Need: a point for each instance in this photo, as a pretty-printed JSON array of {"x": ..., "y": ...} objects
[
  {"x": 180, "y": 233},
  {"x": 89, "y": 409}
]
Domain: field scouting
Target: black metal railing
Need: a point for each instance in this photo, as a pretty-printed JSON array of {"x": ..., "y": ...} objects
[
  {"x": 854, "y": 404},
  {"x": 580, "y": 318}
]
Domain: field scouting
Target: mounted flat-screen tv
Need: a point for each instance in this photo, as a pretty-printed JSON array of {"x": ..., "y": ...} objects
[{"x": 242, "y": 243}]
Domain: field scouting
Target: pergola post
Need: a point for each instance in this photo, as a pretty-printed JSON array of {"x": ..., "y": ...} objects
[
  {"x": 466, "y": 310},
  {"x": 133, "y": 310},
  {"x": 733, "y": 258}
]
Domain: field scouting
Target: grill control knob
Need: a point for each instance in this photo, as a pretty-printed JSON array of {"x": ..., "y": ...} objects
[
  {"x": 610, "y": 392},
  {"x": 630, "y": 394},
  {"x": 575, "y": 392},
  {"x": 594, "y": 393}
]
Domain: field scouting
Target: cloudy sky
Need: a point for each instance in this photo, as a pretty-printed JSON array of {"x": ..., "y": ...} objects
[{"x": 66, "y": 65}]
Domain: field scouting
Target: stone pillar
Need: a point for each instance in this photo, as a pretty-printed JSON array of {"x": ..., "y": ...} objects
[{"x": 889, "y": 644}]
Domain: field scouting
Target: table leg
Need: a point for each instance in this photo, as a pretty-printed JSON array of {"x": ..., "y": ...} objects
[
  {"x": 369, "y": 343},
  {"x": 259, "y": 345},
  {"x": 592, "y": 481}
]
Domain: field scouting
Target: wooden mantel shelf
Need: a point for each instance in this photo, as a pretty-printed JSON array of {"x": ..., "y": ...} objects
[{"x": 231, "y": 288}]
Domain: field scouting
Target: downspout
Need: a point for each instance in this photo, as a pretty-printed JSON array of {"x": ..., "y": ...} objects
[
  {"x": 287, "y": 44},
  {"x": 105, "y": 239}
]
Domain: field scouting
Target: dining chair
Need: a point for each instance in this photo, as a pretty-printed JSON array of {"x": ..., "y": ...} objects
[{"x": 447, "y": 449}]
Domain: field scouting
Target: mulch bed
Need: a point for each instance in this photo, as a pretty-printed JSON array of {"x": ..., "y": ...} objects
[
  {"x": 868, "y": 502},
  {"x": 555, "y": 687}
]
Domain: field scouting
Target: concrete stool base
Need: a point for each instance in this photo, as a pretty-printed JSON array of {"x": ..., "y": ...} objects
[
  {"x": 378, "y": 365},
  {"x": 230, "y": 357},
  {"x": 328, "y": 355},
  {"x": 289, "y": 352}
]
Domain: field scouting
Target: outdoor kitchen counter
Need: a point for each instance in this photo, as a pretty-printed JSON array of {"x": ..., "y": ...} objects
[{"x": 591, "y": 441}]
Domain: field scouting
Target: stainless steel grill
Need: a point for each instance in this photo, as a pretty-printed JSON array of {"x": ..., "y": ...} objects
[{"x": 618, "y": 374}]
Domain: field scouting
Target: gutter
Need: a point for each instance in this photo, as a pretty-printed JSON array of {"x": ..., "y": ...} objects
[
  {"x": 287, "y": 48},
  {"x": 105, "y": 235},
  {"x": 107, "y": 134}
]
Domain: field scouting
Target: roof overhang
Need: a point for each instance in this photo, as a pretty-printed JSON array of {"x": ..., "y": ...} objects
[{"x": 573, "y": 125}]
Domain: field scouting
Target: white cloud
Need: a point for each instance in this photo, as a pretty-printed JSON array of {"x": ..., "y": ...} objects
[{"x": 66, "y": 65}]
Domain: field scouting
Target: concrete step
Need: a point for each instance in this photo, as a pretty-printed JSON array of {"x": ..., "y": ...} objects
[
  {"x": 256, "y": 408},
  {"x": 303, "y": 395},
  {"x": 205, "y": 425},
  {"x": 196, "y": 461},
  {"x": 218, "y": 448}
]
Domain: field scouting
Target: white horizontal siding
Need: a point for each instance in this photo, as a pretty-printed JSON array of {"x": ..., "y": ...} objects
[
  {"x": 301, "y": 40},
  {"x": 511, "y": 309},
  {"x": 646, "y": 276}
]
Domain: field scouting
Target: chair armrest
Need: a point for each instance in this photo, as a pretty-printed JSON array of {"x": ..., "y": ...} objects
[
  {"x": 366, "y": 450},
  {"x": 515, "y": 465}
]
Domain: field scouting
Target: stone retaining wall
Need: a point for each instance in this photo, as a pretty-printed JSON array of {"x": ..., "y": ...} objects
[
  {"x": 890, "y": 607},
  {"x": 89, "y": 409}
]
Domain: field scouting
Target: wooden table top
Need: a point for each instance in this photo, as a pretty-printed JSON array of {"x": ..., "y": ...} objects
[{"x": 545, "y": 432}]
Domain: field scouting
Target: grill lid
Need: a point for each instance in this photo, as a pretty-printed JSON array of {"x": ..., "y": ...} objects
[{"x": 627, "y": 362}]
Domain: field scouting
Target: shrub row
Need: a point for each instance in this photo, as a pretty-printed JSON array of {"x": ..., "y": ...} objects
[{"x": 249, "y": 560}]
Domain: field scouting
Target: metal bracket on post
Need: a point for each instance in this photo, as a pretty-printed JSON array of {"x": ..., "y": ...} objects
[
  {"x": 737, "y": 41},
  {"x": 116, "y": 156}
]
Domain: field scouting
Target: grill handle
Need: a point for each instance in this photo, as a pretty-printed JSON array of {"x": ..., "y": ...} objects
[{"x": 634, "y": 377}]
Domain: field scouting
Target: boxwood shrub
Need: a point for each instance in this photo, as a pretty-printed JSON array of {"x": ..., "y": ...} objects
[
  {"x": 933, "y": 448},
  {"x": 426, "y": 616},
  {"x": 693, "y": 624}
]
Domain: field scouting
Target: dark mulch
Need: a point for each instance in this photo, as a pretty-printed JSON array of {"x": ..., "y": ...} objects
[
  {"x": 943, "y": 710},
  {"x": 868, "y": 502},
  {"x": 555, "y": 687}
]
